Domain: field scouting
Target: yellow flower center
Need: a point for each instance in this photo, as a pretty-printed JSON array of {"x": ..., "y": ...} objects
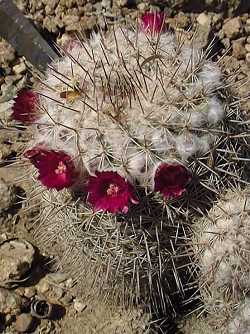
[
  {"x": 61, "y": 168},
  {"x": 112, "y": 190}
]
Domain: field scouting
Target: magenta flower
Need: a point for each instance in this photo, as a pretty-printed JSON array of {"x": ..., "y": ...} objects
[
  {"x": 25, "y": 107},
  {"x": 171, "y": 180},
  {"x": 108, "y": 191},
  {"x": 153, "y": 23},
  {"x": 56, "y": 168}
]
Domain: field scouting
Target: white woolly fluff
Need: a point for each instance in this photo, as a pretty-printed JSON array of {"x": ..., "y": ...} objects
[
  {"x": 216, "y": 111},
  {"x": 210, "y": 75},
  {"x": 162, "y": 142},
  {"x": 188, "y": 144}
]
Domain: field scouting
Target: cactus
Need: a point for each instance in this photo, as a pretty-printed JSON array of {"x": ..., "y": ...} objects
[
  {"x": 127, "y": 259},
  {"x": 221, "y": 245},
  {"x": 136, "y": 130}
]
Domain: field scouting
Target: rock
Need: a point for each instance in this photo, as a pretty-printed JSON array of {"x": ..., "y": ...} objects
[
  {"x": 29, "y": 292},
  {"x": 51, "y": 24},
  {"x": 10, "y": 302},
  {"x": 121, "y": 3},
  {"x": 182, "y": 20},
  {"x": 70, "y": 19},
  {"x": 69, "y": 283},
  {"x": 19, "y": 68},
  {"x": 6, "y": 198},
  {"x": 226, "y": 42},
  {"x": 58, "y": 292},
  {"x": 24, "y": 323},
  {"x": 142, "y": 6},
  {"x": 239, "y": 50},
  {"x": 7, "y": 53},
  {"x": 67, "y": 299},
  {"x": 16, "y": 258},
  {"x": 57, "y": 277},
  {"x": 203, "y": 19},
  {"x": 88, "y": 8},
  {"x": 43, "y": 286},
  {"x": 203, "y": 31},
  {"x": 232, "y": 27},
  {"x": 248, "y": 58},
  {"x": 217, "y": 18},
  {"x": 247, "y": 47},
  {"x": 79, "y": 306},
  {"x": 107, "y": 3},
  {"x": 88, "y": 22},
  {"x": 12, "y": 79}
]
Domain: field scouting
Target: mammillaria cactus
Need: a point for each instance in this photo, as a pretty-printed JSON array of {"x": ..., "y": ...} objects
[
  {"x": 135, "y": 126},
  {"x": 222, "y": 246}
]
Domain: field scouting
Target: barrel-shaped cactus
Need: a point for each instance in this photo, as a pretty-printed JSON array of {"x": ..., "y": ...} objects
[{"x": 128, "y": 121}]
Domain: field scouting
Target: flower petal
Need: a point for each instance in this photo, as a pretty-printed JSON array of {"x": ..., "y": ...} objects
[
  {"x": 153, "y": 22},
  {"x": 25, "y": 107},
  {"x": 56, "y": 169},
  {"x": 171, "y": 180},
  {"x": 108, "y": 191}
]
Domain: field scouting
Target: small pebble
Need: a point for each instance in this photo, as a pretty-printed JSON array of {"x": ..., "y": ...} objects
[
  {"x": 10, "y": 302},
  {"x": 57, "y": 277},
  {"x": 69, "y": 283},
  {"x": 239, "y": 50},
  {"x": 19, "y": 68},
  {"x": 43, "y": 286},
  {"x": 16, "y": 259},
  {"x": 58, "y": 292},
  {"x": 79, "y": 306},
  {"x": 203, "y": 19},
  {"x": 247, "y": 47},
  {"x": 24, "y": 323},
  {"x": 232, "y": 27},
  {"x": 29, "y": 292},
  {"x": 248, "y": 58},
  {"x": 67, "y": 299}
]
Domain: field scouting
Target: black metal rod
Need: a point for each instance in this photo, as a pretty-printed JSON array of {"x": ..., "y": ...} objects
[{"x": 22, "y": 35}]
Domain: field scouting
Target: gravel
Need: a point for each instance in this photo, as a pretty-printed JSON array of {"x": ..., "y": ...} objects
[
  {"x": 7, "y": 195},
  {"x": 10, "y": 302},
  {"x": 16, "y": 259}
]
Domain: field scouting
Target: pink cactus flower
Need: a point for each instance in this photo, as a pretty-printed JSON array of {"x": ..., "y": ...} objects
[
  {"x": 108, "y": 191},
  {"x": 25, "y": 107},
  {"x": 56, "y": 168},
  {"x": 153, "y": 23},
  {"x": 171, "y": 180}
]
